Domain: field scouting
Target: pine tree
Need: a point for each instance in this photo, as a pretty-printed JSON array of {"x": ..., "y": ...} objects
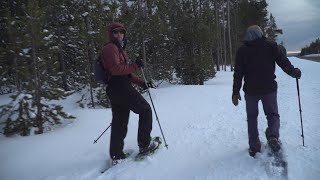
[
  {"x": 252, "y": 12},
  {"x": 48, "y": 49},
  {"x": 29, "y": 111},
  {"x": 272, "y": 29},
  {"x": 60, "y": 23},
  {"x": 312, "y": 48},
  {"x": 195, "y": 61},
  {"x": 92, "y": 21},
  {"x": 10, "y": 46}
]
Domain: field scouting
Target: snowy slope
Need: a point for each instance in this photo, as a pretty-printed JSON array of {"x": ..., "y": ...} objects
[{"x": 206, "y": 134}]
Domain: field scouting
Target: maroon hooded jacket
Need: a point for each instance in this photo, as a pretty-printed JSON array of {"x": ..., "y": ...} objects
[{"x": 116, "y": 63}]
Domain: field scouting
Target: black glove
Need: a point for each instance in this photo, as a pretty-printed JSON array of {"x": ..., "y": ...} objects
[
  {"x": 139, "y": 62},
  {"x": 148, "y": 85},
  {"x": 296, "y": 73},
  {"x": 235, "y": 98}
]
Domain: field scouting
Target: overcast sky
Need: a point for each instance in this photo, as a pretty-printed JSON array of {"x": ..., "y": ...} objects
[{"x": 299, "y": 20}]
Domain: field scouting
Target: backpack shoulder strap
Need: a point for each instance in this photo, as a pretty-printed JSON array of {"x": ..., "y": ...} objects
[{"x": 120, "y": 52}]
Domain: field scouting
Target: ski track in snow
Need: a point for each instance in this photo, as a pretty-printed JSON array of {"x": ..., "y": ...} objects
[{"x": 206, "y": 134}]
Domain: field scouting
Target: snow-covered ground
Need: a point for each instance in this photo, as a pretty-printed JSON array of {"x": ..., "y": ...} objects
[
  {"x": 206, "y": 134},
  {"x": 312, "y": 55}
]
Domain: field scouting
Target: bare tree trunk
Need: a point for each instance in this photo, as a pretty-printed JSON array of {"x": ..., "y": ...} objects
[
  {"x": 212, "y": 58},
  {"x": 144, "y": 55},
  {"x": 14, "y": 57},
  {"x": 16, "y": 74},
  {"x": 229, "y": 34},
  {"x": 234, "y": 29},
  {"x": 218, "y": 36},
  {"x": 90, "y": 56},
  {"x": 200, "y": 76},
  {"x": 39, "y": 121},
  {"x": 143, "y": 13},
  {"x": 193, "y": 56},
  {"x": 224, "y": 38},
  {"x": 201, "y": 79},
  {"x": 62, "y": 63}
]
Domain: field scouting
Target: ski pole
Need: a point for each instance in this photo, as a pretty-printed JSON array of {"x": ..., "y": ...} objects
[
  {"x": 300, "y": 111},
  {"x": 95, "y": 141},
  {"x": 155, "y": 112}
]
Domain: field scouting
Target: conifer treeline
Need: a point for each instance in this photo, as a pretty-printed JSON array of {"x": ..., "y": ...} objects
[
  {"x": 48, "y": 48},
  {"x": 313, "y": 48}
]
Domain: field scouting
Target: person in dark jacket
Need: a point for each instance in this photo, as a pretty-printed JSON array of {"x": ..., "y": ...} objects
[
  {"x": 255, "y": 63},
  {"x": 123, "y": 96}
]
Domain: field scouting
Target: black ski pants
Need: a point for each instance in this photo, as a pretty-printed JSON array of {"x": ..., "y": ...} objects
[{"x": 123, "y": 100}]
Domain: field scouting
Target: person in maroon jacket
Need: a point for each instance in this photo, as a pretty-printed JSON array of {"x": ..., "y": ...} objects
[
  {"x": 123, "y": 96},
  {"x": 255, "y": 62}
]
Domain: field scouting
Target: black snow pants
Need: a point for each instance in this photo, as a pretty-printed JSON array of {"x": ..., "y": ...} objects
[{"x": 125, "y": 98}]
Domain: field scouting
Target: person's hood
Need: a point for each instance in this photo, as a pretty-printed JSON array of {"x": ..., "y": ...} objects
[
  {"x": 253, "y": 33},
  {"x": 255, "y": 42},
  {"x": 115, "y": 26}
]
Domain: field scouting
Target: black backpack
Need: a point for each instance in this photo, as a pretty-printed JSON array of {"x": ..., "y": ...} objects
[
  {"x": 99, "y": 71},
  {"x": 101, "y": 75}
]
